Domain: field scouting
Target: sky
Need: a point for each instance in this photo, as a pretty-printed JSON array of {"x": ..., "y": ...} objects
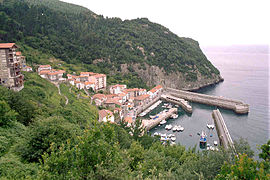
[{"x": 211, "y": 22}]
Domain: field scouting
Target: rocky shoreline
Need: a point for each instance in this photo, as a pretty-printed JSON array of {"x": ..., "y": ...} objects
[{"x": 194, "y": 89}]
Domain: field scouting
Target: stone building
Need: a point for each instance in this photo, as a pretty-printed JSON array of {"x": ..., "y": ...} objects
[{"x": 10, "y": 67}]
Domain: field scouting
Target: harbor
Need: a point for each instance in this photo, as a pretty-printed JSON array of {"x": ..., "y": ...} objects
[{"x": 193, "y": 125}]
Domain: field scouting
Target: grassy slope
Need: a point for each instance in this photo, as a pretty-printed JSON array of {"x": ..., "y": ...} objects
[{"x": 48, "y": 103}]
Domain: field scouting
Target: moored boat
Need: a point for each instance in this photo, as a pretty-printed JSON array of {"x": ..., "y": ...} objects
[
  {"x": 203, "y": 140},
  {"x": 168, "y": 127},
  {"x": 162, "y": 122}
]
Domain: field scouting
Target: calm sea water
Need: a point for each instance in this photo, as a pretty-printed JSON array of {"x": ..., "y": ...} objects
[{"x": 246, "y": 73}]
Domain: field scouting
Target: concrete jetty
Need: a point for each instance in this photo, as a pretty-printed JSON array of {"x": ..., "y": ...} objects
[
  {"x": 150, "y": 123},
  {"x": 238, "y": 106},
  {"x": 222, "y": 130},
  {"x": 183, "y": 103}
]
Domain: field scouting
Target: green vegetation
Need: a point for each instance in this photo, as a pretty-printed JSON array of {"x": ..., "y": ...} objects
[{"x": 78, "y": 36}]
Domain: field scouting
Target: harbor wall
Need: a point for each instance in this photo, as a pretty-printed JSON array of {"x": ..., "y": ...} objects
[
  {"x": 149, "y": 124},
  {"x": 144, "y": 107},
  {"x": 222, "y": 130},
  {"x": 178, "y": 101},
  {"x": 236, "y": 105}
]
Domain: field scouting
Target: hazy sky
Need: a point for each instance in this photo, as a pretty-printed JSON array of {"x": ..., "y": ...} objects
[{"x": 211, "y": 22}]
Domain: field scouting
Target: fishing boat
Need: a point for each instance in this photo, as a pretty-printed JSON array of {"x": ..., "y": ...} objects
[
  {"x": 181, "y": 128},
  {"x": 210, "y": 126},
  {"x": 203, "y": 140},
  {"x": 168, "y": 127},
  {"x": 162, "y": 122},
  {"x": 173, "y": 138},
  {"x": 175, "y": 128},
  {"x": 215, "y": 143}
]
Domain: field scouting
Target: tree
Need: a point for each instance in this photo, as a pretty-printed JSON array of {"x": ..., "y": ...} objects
[
  {"x": 42, "y": 134},
  {"x": 243, "y": 168},
  {"x": 265, "y": 154},
  {"x": 7, "y": 115}
]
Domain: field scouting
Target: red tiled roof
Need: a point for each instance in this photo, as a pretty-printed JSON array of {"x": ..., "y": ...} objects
[
  {"x": 158, "y": 87},
  {"x": 57, "y": 72},
  {"x": 7, "y": 45},
  {"x": 18, "y": 53},
  {"x": 128, "y": 119},
  {"x": 45, "y": 72},
  {"x": 121, "y": 94},
  {"x": 99, "y": 75},
  {"x": 87, "y": 83},
  {"x": 43, "y": 66},
  {"x": 87, "y": 73},
  {"x": 142, "y": 97},
  {"x": 99, "y": 96},
  {"x": 104, "y": 112}
]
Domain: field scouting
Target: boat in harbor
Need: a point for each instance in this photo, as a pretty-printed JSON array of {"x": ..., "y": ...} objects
[
  {"x": 175, "y": 128},
  {"x": 215, "y": 143},
  {"x": 203, "y": 140},
  {"x": 174, "y": 116},
  {"x": 162, "y": 122},
  {"x": 173, "y": 138},
  {"x": 168, "y": 127},
  {"x": 181, "y": 128},
  {"x": 210, "y": 126},
  {"x": 156, "y": 134}
]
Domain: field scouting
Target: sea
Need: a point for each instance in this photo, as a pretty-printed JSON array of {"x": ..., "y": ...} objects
[{"x": 245, "y": 69}]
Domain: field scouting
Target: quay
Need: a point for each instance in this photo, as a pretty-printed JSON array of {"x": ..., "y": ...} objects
[
  {"x": 238, "y": 106},
  {"x": 182, "y": 102},
  {"x": 223, "y": 133},
  {"x": 150, "y": 108},
  {"x": 150, "y": 123}
]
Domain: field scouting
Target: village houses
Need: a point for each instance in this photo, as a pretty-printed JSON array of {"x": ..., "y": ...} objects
[
  {"x": 105, "y": 116},
  {"x": 46, "y": 71},
  {"x": 88, "y": 80}
]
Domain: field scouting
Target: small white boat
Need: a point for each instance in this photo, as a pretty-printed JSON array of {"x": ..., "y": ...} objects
[
  {"x": 210, "y": 126},
  {"x": 176, "y": 105},
  {"x": 156, "y": 134},
  {"x": 163, "y": 135},
  {"x": 173, "y": 138},
  {"x": 170, "y": 135},
  {"x": 215, "y": 143},
  {"x": 181, "y": 128},
  {"x": 175, "y": 128},
  {"x": 212, "y": 148},
  {"x": 164, "y": 138},
  {"x": 166, "y": 104},
  {"x": 168, "y": 127},
  {"x": 174, "y": 116},
  {"x": 162, "y": 122}
]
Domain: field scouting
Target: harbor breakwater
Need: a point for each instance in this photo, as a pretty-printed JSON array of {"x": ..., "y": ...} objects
[{"x": 235, "y": 105}]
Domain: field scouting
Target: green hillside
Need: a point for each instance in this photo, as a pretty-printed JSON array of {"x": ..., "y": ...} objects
[{"x": 76, "y": 35}]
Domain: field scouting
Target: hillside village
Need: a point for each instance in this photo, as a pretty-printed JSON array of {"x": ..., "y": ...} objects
[{"x": 112, "y": 100}]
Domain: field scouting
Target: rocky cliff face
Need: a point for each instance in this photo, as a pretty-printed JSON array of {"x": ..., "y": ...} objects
[{"x": 154, "y": 75}]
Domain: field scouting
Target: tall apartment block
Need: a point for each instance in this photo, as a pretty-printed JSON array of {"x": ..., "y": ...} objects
[{"x": 10, "y": 67}]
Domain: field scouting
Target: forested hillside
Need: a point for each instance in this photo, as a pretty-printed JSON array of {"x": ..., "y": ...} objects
[{"x": 76, "y": 35}]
